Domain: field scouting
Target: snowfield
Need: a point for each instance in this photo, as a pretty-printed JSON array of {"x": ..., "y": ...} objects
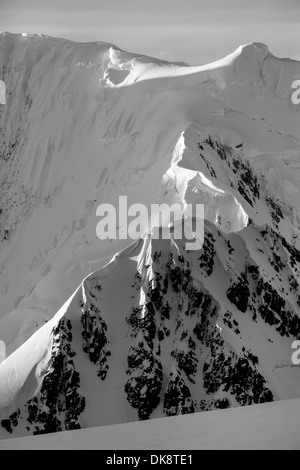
[
  {"x": 272, "y": 426},
  {"x": 102, "y": 332}
]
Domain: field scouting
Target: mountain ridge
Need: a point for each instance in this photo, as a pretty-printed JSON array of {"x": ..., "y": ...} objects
[{"x": 85, "y": 123}]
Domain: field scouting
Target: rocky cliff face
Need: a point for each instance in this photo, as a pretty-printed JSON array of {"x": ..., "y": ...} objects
[
  {"x": 156, "y": 329},
  {"x": 187, "y": 332}
]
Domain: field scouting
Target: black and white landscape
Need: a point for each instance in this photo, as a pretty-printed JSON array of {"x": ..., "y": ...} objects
[{"x": 103, "y": 332}]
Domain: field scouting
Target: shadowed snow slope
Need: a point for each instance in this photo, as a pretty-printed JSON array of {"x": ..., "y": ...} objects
[
  {"x": 270, "y": 426},
  {"x": 97, "y": 332}
]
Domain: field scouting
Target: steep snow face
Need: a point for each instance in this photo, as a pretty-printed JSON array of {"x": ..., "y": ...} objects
[
  {"x": 159, "y": 330},
  {"x": 162, "y": 331}
]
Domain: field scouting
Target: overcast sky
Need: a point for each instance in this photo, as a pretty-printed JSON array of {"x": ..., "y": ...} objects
[{"x": 196, "y": 31}]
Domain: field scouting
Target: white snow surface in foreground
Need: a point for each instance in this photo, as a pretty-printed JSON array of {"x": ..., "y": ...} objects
[{"x": 271, "y": 426}]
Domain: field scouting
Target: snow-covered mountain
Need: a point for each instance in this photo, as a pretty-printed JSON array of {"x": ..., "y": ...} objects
[{"x": 97, "y": 332}]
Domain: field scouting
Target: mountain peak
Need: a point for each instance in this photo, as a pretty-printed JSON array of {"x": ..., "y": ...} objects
[{"x": 99, "y": 330}]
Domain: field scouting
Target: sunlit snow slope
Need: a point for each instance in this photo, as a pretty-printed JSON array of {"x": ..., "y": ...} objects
[
  {"x": 268, "y": 426},
  {"x": 159, "y": 330}
]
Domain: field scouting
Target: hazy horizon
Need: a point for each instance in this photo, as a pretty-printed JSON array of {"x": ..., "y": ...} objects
[{"x": 195, "y": 31}]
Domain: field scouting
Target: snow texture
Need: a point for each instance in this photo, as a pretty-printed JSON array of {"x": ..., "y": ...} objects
[{"x": 272, "y": 426}]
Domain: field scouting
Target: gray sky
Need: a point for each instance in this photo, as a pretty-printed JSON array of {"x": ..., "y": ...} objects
[{"x": 196, "y": 31}]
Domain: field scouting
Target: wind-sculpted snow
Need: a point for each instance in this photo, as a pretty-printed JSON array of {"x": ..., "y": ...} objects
[{"x": 153, "y": 329}]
